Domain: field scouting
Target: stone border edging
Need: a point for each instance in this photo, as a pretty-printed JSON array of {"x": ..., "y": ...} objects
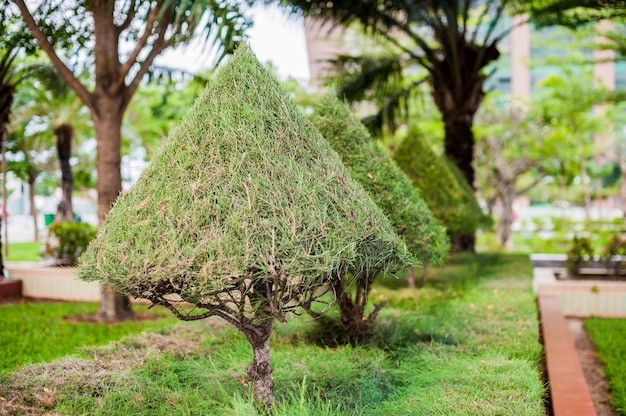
[{"x": 569, "y": 393}]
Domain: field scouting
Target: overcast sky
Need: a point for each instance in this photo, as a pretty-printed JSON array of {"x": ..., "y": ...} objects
[{"x": 274, "y": 37}]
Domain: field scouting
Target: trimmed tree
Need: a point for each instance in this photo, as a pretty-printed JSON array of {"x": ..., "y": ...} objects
[
  {"x": 388, "y": 186},
  {"x": 449, "y": 197},
  {"x": 246, "y": 213},
  {"x": 119, "y": 41}
]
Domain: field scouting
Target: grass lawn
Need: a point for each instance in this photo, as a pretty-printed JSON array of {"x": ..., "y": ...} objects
[
  {"x": 36, "y": 332},
  {"x": 608, "y": 336},
  {"x": 24, "y": 252},
  {"x": 466, "y": 344}
]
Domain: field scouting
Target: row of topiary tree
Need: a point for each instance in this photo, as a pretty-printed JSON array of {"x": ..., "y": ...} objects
[{"x": 247, "y": 213}]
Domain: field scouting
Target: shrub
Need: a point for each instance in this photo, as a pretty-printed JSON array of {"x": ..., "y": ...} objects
[
  {"x": 446, "y": 193},
  {"x": 68, "y": 240},
  {"x": 392, "y": 190},
  {"x": 245, "y": 214},
  {"x": 579, "y": 254},
  {"x": 614, "y": 254}
]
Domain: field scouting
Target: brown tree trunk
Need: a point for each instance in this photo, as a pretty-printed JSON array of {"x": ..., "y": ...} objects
[
  {"x": 459, "y": 144},
  {"x": 459, "y": 147},
  {"x": 64, "y": 135},
  {"x": 33, "y": 207},
  {"x": 352, "y": 313},
  {"x": 622, "y": 191},
  {"x": 3, "y": 209},
  {"x": 507, "y": 197},
  {"x": 410, "y": 277},
  {"x": 357, "y": 326},
  {"x": 114, "y": 307},
  {"x": 586, "y": 186},
  {"x": 108, "y": 126},
  {"x": 260, "y": 371}
]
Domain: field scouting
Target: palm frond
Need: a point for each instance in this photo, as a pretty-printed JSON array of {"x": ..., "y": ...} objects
[
  {"x": 574, "y": 13},
  {"x": 361, "y": 77},
  {"x": 393, "y": 109}
]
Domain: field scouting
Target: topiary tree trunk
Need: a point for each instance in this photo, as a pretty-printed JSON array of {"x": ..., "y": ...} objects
[
  {"x": 352, "y": 305},
  {"x": 260, "y": 371}
]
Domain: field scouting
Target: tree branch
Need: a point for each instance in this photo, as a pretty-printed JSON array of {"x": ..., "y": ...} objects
[
  {"x": 141, "y": 42},
  {"x": 44, "y": 43},
  {"x": 129, "y": 17},
  {"x": 377, "y": 308},
  {"x": 531, "y": 185},
  {"x": 157, "y": 47}
]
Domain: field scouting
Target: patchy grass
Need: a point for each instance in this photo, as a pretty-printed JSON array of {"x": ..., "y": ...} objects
[
  {"x": 24, "y": 252},
  {"x": 36, "y": 332},
  {"x": 608, "y": 337},
  {"x": 466, "y": 344}
]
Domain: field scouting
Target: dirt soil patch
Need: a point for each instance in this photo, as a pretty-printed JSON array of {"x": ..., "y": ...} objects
[{"x": 91, "y": 318}]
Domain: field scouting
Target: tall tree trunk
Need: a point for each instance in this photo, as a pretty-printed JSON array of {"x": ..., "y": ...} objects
[
  {"x": 108, "y": 126},
  {"x": 33, "y": 208},
  {"x": 260, "y": 371},
  {"x": 425, "y": 273},
  {"x": 459, "y": 147},
  {"x": 64, "y": 135},
  {"x": 586, "y": 186},
  {"x": 410, "y": 277},
  {"x": 507, "y": 197},
  {"x": 622, "y": 190},
  {"x": 3, "y": 208}
]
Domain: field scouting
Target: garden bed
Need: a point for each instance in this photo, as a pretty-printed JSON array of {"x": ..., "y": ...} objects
[
  {"x": 586, "y": 295},
  {"x": 55, "y": 283}
]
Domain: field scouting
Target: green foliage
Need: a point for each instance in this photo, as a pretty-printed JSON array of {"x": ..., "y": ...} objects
[
  {"x": 574, "y": 13},
  {"x": 463, "y": 348},
  {"x": 448, "y": 196},
  {"x": 608, "y": 338},
  {"x": 614, "y": 254},
  {"x": 379, "y": 175},
  {"x": 565, "y": 104},
  {"x": 246, "y": 193},
  {"x": 42, "y": 331},
  {"x": 580, "y": 253},
  {"x": 155, "y": 110},
  {"x": 475, "y": 215},
  {"x": 68, "y": 240}
]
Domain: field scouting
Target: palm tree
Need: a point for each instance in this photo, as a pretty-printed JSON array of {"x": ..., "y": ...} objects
[
  {"x": 454, "y": 41},
  {"x": 46, "y": 99},
  {"x": 30, "y": 165},
  {"x": 10, "y": 78},
  {"x": 7, "y": 90}
]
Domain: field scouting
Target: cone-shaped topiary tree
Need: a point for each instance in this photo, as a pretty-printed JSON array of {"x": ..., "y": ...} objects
[
  {"x": 390, "y": 188},
  {"x": 451, "y": 201},
  {"x": 244, "y": 214}
]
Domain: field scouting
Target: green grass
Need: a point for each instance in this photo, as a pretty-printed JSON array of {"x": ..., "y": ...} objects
[
  {"x": 36, "y": 332},
  {"x": 24, "y": 252},
  {"x": 608, "y": 338},
  {"x": 466, "y": 344}
]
